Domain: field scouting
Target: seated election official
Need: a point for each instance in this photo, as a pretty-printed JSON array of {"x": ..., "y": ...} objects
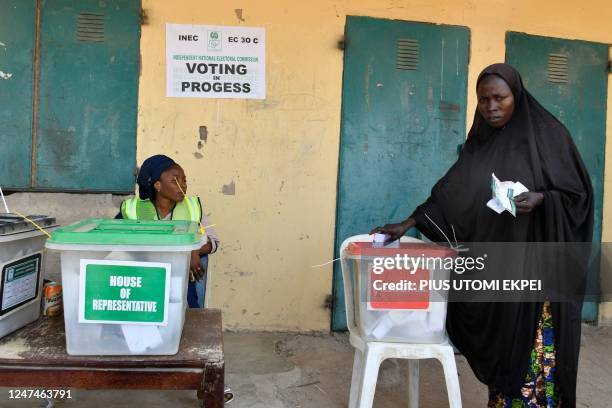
[{"x": 162, "y": 188}]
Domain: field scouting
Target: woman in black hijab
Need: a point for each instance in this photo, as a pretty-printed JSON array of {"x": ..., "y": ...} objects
[{"x": 527, "y": 353}]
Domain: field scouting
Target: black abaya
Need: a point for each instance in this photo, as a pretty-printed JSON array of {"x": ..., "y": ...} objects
[{"x": 537, "y": 150}]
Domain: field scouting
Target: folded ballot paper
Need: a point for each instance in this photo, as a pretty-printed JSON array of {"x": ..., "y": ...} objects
[
  {"x": 141, "y": 338},
  {"x": 503, "y": 194}
]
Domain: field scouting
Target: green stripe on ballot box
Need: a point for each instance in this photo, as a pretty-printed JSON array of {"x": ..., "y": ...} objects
[{"x": 124, "y": 292}]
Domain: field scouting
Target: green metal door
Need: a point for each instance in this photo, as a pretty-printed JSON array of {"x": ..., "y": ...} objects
[
  {"x": 403, "y": 117},
  {"x": 87, "y": 99},
  {"x": 570, "y": 79},
  {"x": 17, "y": 41}
]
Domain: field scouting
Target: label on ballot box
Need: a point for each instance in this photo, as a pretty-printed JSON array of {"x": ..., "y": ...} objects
[
  {"x": 19, "y": 282},
  {"x": 398, "y": 289},
  {"x": 124, "y": 292},
  {"x": 400, "y": 277}
]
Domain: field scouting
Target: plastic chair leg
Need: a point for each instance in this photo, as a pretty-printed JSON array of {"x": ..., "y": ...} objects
[
  {"x": 356, "y": 378},
  {"x": 372, "y": 357},
  {"x": 452, "y": 378},
  {"x": 413, "y": 383}
]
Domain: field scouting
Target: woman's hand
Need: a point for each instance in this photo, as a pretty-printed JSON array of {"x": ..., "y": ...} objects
[
  {"x": 206, "y": 249},
  {"x": 395, "y": 231},
  {"x": 527, "y": 201},
  {"x": 195, "y": 266}
]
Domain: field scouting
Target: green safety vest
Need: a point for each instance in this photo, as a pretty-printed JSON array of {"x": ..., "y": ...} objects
[{"x": 189, "y": 209}]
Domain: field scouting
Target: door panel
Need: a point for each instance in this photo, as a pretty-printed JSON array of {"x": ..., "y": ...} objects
[
  {"x": 403, "y": 116},
  {"x": 88, "y": 94},
  {"x": 570, "y": 79},
  {"x": 17, "y": 42}
]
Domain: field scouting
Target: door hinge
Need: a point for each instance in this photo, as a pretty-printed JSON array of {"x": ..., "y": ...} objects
[
  {"x": 143, "y": 17},
  {"x": 341, "y": 43},
  {"x": 329, "y": 301}
]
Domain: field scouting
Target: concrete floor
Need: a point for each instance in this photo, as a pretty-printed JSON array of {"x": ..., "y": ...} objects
[{"x": 279, "y": 370}]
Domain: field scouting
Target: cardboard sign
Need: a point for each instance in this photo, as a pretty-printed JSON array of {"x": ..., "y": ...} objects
[
  {"x": 124, "y": 292},
  {"x": 204, "y": 61}
]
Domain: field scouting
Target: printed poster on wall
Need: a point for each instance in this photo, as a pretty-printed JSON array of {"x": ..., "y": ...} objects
[{"x": 204, "y": 61}]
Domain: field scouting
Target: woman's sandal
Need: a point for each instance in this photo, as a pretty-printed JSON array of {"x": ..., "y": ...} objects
[{"x": 228, "y": 395}]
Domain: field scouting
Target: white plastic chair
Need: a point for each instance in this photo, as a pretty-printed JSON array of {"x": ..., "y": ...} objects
[{"x": 370, "y": 354}]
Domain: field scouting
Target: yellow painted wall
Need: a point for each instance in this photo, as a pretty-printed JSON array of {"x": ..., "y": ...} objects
[{"x": 281, "y": 153}]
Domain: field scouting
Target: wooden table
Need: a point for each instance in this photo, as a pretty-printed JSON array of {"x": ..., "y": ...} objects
[{"x": 35, "y": 356}]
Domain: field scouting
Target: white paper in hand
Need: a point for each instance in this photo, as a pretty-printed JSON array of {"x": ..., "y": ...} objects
[{"x": 503, "y": 194}]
